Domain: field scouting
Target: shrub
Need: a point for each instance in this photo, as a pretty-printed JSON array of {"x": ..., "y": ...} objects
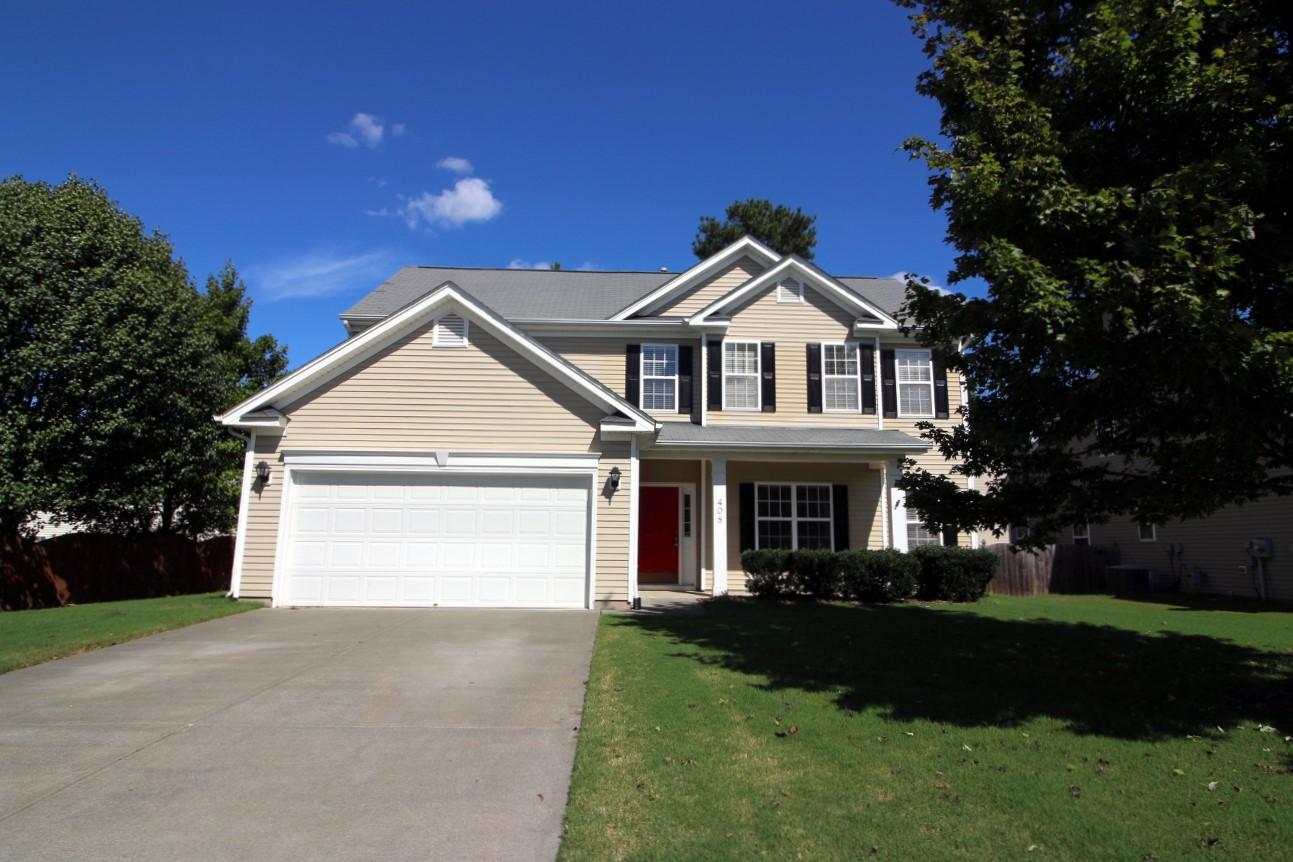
[
  {"x": 814, "y": 573},
  {"x": 953, "y": 574},
  {"x": 767, "y": 573},
  {"x": 877, "y": 576}
]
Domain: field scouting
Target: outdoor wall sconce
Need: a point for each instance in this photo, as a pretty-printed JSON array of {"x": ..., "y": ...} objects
[
  {"x": 615, "y": 479},
  {"x": 262, "y": 472}
]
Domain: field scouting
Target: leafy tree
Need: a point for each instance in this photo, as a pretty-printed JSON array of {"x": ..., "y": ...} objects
[
  {"x": 784, "y": 230},
  {"x": 252, "y": 363},
  {"x": 1118, "y": 173},
  {"x": 111, "y": 366}
]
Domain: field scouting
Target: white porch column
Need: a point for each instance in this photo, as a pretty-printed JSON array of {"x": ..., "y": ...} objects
[
  {"x": 635, "y": 466},
  {"x": 718, "y": 531},
  {"x": 898, "y": 507}
]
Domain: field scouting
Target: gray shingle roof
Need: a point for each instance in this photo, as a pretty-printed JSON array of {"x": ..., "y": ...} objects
[
  {"x": 517, "y": 294},
  {"x": 783, "y": 437}
]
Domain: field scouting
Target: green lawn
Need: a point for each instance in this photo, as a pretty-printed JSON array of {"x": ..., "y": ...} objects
[
  {"x": 31, "y": 637},
  {"x": 1048, "y": 728}
]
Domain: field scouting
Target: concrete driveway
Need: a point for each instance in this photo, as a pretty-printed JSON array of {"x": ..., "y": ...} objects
[{"x": 300, "y": 734}]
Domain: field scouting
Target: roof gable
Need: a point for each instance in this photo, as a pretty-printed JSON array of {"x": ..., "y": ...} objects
[
  {"x": 812, "y": 277},
  {"x": 746, "y": 246},
  {"x": 367, "y": 344}
]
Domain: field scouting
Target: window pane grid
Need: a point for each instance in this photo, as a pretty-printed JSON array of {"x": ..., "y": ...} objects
[
  {"x": 918, "y": 534},
  {"x": 840, "y": 377},
  {"x": 793, "y": 516},
  {"x": 741, "y": 375},
  {"x": 659, "y": 377},
  {"x": 915, "y": 369}
]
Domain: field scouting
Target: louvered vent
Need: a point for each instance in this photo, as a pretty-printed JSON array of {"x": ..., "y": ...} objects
[
  {"x": 450, "y": 331},
  {"x": 790, "y": 291}
]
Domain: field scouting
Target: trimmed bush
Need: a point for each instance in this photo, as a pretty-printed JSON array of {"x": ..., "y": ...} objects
[
  {"x": 767, "y": 573},
  {"x": 877, "y": 576},
  {"x": 814, "y": 573},
  {"x": 952, "y": 574}
]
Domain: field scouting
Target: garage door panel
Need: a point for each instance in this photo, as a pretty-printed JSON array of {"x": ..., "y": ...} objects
[{"x": 459, "y": 540}]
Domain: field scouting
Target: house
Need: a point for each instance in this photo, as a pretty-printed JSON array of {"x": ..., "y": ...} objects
[
  {"x": 1242, "y": 551},
  {"x": 531, "y": 438}
]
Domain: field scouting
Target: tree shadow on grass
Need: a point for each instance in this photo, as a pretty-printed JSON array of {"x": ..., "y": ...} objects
[{"x": 961, "y": 668}]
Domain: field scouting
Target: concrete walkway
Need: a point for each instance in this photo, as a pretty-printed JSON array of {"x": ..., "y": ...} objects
[{"x": 329, "y": 734}]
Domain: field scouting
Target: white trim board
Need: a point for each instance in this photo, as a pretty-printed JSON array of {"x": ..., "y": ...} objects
[
  {"x": 746, "y": 246},
  {"x": 812, "y": 277},
  {"x": 363, "y": 346}
]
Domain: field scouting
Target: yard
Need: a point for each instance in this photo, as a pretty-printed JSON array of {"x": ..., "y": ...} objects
[
  {"x": 1073, "y": 727},
  {"x": 31, "y": 637}
]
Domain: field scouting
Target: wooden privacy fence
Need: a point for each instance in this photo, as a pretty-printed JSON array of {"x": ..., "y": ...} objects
[
  {"x": 1053, "y": 569},
  {"x": 79, "y": 568}
]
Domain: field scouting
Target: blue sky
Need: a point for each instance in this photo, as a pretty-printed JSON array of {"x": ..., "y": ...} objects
[{"x": 321, "y": 146}]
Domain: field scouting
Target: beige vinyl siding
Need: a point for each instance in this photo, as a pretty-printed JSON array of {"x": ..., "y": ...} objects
[
  {"x": 412, "y": 397},
  {"x": 792, "y": 327},
  {"x": 604, "y": 360},
  {"x": 1215, "y": 545},
  {"x": 263, "y": 505},
  {"x": 726, "y": 281},
  {"x": 864, "y": 501}
]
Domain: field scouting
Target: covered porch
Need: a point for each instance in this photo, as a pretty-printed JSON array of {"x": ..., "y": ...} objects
[{"x": 707, "y": 493}]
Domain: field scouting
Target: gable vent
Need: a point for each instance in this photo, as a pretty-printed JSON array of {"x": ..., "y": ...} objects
[
  {"x": 790, "y": 291},
  {"x": 450, "y": 331}
]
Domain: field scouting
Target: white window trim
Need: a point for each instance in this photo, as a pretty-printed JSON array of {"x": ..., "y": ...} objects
[
  {"x": 1085, "y": 537},
  {"x": 1018, "y": 532},
  {"x": 857, "y": 378},
  {"x": 435, "y": 331},
  {"x": 794, "y": 510},
  {"x": 911, "y": 516},
  {"x": 785, "y": 298},
  {"x": 758, "y": 376},
  {"x": 898, "y": 383},
  {"x": 642, "y": 377},
  {"x": 1153, "y": 532}
]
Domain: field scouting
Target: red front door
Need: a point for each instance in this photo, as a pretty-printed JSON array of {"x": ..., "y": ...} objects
[{"x": 658, "y": 535}]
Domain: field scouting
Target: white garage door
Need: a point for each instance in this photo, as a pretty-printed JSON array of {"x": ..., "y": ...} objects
[{"x": 369, "y": 539}]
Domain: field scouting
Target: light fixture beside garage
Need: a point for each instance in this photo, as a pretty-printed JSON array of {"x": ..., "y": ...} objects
[
  {"x": 615, "y": 479},
  {"x": 262, "y": 472}
]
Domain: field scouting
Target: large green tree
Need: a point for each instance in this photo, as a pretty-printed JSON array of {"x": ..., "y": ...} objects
[
  {"x": 1118, "y": 173},
  {"x": 111, "y": 366},
  {"x": 784, "y": 230}
]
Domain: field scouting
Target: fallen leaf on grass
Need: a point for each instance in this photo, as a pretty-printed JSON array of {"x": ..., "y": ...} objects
[{"x": 1075, "y": 791}]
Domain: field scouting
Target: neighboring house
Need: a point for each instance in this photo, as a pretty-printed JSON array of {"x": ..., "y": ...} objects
[
  {"x": 1236, "y": 551},
  {"x": 564, "y": 439}
]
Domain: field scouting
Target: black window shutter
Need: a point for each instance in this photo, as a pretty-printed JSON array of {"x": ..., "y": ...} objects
[
  {"x": 714, "y": 374},
  {"x": 940, "y": 388},
  {"x": 684, "y": 378},
  {"x": 768, "y": 364},
  {"x": 840, "y": 515},
  {"x": 747, "y": 515},
  {"x": 633, "y": 374},
  {"x": 814, "y": 378},
  {"x": 949, "y": 536},
  {"x": 889, "y": 382},
  {"x": 866, "y": 363}
]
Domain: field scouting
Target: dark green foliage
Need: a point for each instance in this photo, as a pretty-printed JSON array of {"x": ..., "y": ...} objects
[
  {"x": 1119, "y": 173},
  {"x": 950, "y": 574},
  {"x": 814, "y": 573},
  {"x": 877, "y": 577},
  {"x": 784, "y": 230},
  {"x": 768, "y": 573}
]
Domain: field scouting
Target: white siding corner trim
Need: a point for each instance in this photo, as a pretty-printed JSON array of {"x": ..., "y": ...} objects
[{"x": 240, "y": 537}]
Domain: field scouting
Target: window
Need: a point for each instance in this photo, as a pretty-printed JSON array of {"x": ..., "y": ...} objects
[
  {"x": 793, "y": 516},
  {"x": 840, "y": 378},
  {"x": 659, "y": 377},
  {"x": 1019, "y": 532},
  {"x": 790, "y": 291},
  {"x": 449, "y": 331},
  {"x": 686, "y": 516},
  {"x": 740, "y": 375},
  {"x": 1147, "y": 532},
  {"x": 915, "y": 383},
  {"x": 1081, "y": 534},
  {"x": 917, "y": 533}
]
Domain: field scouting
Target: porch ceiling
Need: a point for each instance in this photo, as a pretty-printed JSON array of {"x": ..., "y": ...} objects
[{"x": 686, "y": 435}]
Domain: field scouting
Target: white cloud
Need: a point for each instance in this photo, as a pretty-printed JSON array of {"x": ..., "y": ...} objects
[
  {"x": 398, "y": 129},
  {"x": 469, "y": 200},
  {"x": 456, "y": 164},
  {"x": 366, "y": 129},
  {"x": 518, "y": 263},
  {"x": 319, "y": 274}
]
